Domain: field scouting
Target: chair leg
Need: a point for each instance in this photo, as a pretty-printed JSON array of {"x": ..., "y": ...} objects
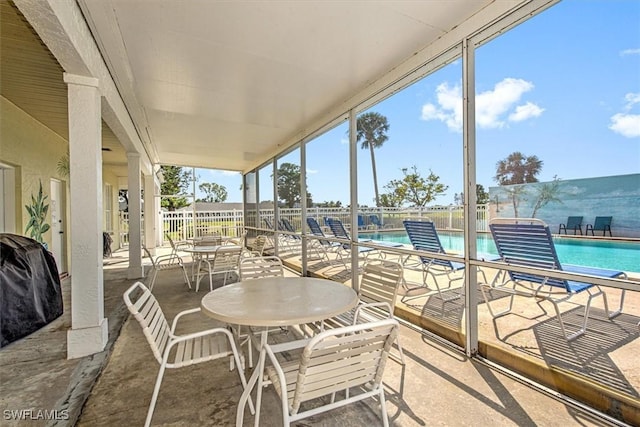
[
  {"x": 400, "y": 350},
  {"x": 186, "y": 277},
  {"x": 153, "y": 279},
  {"x": 154, "y": 396},
  {"x": 383, "y": 408}
]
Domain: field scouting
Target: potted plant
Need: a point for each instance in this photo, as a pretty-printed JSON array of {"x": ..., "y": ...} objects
[{"x": 37, "y": 210}]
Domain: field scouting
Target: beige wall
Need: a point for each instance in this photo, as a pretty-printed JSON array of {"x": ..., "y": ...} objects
[{"x": 34, "y": 150}]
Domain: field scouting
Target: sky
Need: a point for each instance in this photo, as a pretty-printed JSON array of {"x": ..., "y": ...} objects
[{"x": 563, "y": 86}]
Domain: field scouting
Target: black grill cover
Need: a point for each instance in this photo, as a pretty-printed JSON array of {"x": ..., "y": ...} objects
[{"x": 30, "y": 292}]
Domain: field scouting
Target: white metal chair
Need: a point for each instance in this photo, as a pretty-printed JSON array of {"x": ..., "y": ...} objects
[
  {"x": 176, "y": 351},
  {"x": 225, "y": 261},
  {"x": 176, "y": 246},
  {"x": 162, "y": 263},
  {"x": 333, "y": 361},
  {"x": 258, "y": 267},
  {"x": 377, "y": 293},
  {"x": 259, "y": 243}
]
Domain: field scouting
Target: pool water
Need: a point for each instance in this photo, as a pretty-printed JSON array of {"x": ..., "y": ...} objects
[{"x": 624, "y": 256}]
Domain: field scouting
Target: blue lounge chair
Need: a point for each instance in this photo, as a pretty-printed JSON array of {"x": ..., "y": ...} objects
[
  {"x": 573, "y": 223},
  {"x": 424, "y": 237},
  {"x": 528, "y": 243},
  {"x": 338, "y": 230},
  {"x": 361, "y": 224},
  {"x": 324, "y": 246},
  {"x": 602, "y": 223},
  {"x": 268, "y": 223},
  {"x": 375, "y": 221},
  {"x": 292, "y": 241}
]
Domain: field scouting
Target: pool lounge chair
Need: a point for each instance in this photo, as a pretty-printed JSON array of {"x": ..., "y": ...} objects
[
  {"x": 338, "y": 230},
  {"x": 573, "y": 223},
  {"x": 528, "y": 243},
  {"x": 602, "y": 223},
  {"x": 424, "y": 237},
  {"x": 375, "y": 221},
  {"x": 324, "y": 246}
]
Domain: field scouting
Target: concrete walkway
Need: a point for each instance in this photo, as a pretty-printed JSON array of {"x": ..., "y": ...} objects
[{"x": 438, "y": 386}]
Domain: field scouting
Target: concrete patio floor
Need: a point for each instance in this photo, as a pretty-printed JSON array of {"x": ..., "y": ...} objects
[{"x": 438, "y": 386}]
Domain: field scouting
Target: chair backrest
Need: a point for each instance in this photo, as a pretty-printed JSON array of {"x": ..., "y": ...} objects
[
  {"x": 148, "y": 254},
  {"x": 602, "y": 222},
  {"x": 380, "y": 282},
  {"x": 258, "y": 244},
  {"x": 574, "y": 222},
  {"x": 258, "y": 267},
  {"x": 286, "y": 225},
  {"x": 341, "y": 358},
  {"x": 317, "y": 231},
  {"x": 268, "y": 223},
  {"x": 338, "y": 230},
  {"x": 527, "y": 242},
  {"x": 174, "y": 249},
  {"x": 212, "y": 240},
  {"x": 226, "y": 258},
  {"x": 373, "y": 219},
  {"x": 424, "y": 237},
  {"x": 146, "y": 310}
]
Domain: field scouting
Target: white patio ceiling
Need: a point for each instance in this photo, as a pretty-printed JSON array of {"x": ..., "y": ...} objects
[{"x": 226, "y": 84}]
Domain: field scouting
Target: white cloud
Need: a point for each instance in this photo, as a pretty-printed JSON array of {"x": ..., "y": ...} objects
[
  {"x": 524, "y": 112},
  {"x": 630, "y": 52},
  {"x": 493, "y": 107},
  {"x": 632, "y": 99},
  {"x": 311, "y": 171},
  {"x": 230, "y": 173},
  {"x": 344, "y": 141},
  {"x": 627, "y": 125}
]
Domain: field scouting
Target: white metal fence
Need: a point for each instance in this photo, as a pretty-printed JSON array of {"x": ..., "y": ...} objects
[{"x": 183, "y": 225}]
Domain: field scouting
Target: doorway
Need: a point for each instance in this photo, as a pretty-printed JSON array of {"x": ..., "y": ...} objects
[
  {"x": 58, "y": 224},
  {"x": 7, "y": 199}
]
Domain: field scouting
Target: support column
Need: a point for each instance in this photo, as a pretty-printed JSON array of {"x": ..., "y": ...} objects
[
  {"x": 89, "y": 330},
  {"x": 150, "y": 213},
  {"x": 135, "y": 234}
]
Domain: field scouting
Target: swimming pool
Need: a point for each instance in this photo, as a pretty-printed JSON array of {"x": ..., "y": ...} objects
[{"x": 624, "y": 256}]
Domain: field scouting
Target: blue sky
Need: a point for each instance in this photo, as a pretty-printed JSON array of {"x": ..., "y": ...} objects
[{"x": 564, "y": 86}]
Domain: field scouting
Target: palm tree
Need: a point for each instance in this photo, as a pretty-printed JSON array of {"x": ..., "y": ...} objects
[
  {"x": 371, "y": 131},
  {"x": 518, "y": 169}
]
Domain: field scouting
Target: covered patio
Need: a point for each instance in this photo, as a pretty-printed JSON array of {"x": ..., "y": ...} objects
[
  {"x": 121, "y": 88},
  {"x": 438, "y": 384}
]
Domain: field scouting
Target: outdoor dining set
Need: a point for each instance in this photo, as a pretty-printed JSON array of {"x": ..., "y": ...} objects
[{"x": 343, "y": 335}]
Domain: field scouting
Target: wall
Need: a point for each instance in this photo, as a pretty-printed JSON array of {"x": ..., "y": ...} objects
[
  {"x": 34, "y": 150},
  {"x": 616, "y": 196}
]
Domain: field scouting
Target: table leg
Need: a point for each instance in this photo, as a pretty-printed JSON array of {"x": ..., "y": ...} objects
[{"x": 256, "y": 377}]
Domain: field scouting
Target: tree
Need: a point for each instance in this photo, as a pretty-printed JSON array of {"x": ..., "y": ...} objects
[
  {"x": 215, "y": 193},
  {"x": 414, "y": 188},
  {"x": 482, "y": 196},
  {"x": 547, "y": 193},
  {"x": 289, "y": 185},
  {"x": 371, "y": 132},
  {"x": 516, "y": 194},
  {"x": 176, "y": 181},
  {"x": 518, "y": 169}
]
